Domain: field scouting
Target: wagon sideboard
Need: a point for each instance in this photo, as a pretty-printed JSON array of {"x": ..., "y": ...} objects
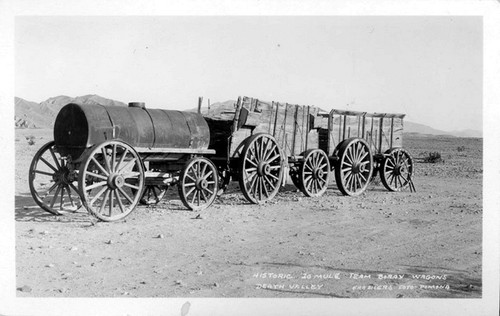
[{"x": 298, "y": 128}]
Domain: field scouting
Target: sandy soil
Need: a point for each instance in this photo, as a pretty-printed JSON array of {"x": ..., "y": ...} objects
[{"x": 380, "y": 244}]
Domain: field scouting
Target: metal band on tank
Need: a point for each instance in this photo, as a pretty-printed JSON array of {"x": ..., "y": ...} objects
[
  {"x": 110, "y": 120},
  {"x": 153, "y": 125},
  {"x": 189, "y": 128}
]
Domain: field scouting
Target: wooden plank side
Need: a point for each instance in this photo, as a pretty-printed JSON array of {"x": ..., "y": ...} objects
[
  {"x": 385, "y": 133},
  {"x": 372, "y": 125},
  {"x": 262, "y": 116},
  {"x": 295, "y": 127},
  {"x": 300, "y": 130},
  {"x": 238, "y": 140},
  {"x": 397, "y": 132},
  {"x": 312, "y": 133},
  {"x": 336, "y": 131}
]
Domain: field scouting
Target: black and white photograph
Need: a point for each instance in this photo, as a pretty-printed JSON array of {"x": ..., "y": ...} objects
[{"x": 175, "y": 163}]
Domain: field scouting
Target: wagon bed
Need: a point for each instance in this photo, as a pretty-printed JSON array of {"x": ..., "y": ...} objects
[{"x": 302, "y": 130}]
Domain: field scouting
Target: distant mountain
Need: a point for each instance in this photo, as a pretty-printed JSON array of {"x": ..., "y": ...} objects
[
  {"x": 42, "y": 115},
  {"x": 33, "y": 115},
  {"x": 416, "y": 128},
  {"x": 468, "y": 133}
]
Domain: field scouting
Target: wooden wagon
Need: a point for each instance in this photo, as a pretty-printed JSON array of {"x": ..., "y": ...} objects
[{"x": 258, "y": 143}]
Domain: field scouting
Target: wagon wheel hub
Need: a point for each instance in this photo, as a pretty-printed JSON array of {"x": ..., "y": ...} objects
[
  {"x": 116, "y": 181},
  {"x": 264, "y": 169},
  {"x": 356, "y": 168},
  {"x": 62, "y": 176},
  {"x": 201, "y": 184},
  {"x": 399, "y": 170},
  {"x": 318, "y": 174}
]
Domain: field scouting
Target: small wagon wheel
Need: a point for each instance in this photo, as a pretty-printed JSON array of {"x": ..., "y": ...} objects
[
  {"x": 354, "y": 167},
  {"x": 396, "y": 169},
  {"x": 153, "y": 194},
  {"x": 111, "y": 180},
  {"x": 314, "y": 173},
  {"x": 53, "y": 181},
  {"x": 198, "y": 184},
  {"x": 261, "y": 168}
]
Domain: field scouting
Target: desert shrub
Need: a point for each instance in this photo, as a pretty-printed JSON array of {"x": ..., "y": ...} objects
[
  {"x": 433, "y": 157},
  {"x": 460, "y": 148},
  {"x": 31, "y": 140}
]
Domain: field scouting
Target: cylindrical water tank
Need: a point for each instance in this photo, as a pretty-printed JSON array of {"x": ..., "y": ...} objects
[{"x": 80, "y": 126}]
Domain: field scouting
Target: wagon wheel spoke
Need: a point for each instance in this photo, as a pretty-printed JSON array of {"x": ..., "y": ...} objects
[
  {"x": 45, "y": 173},
  {"x": 253, "y": 185},
  {"x": 121, "y": 160},
  {"x": 251, "y": 161},
  {"x": 98, "y": 165},
  {"x": 119, "y": 200},
  {"x": 210, "y": 192},
  {"x": 98, "y": 195},
  {"x": 194, "y": 197},
  {"x": 273, "y": 158},
  {"x": 106, "y": 197},
  {"x": 54, "y": 198},
  {"x": 97, "y": 175},
  {"x": 347, "y": 164},
  {"x": 58, "y": 165},
  {"x": 273, "y": 149},
  {"x": 48, "y": 164},
  {"x": 190, "y": 191},
  {"x": 96, "y": 185},
  {"x": 61, "y": 201},
  {"x": 106, "y": 159}
]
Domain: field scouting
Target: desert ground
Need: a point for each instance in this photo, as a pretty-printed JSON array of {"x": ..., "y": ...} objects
[{"x": 380, "y": 244}]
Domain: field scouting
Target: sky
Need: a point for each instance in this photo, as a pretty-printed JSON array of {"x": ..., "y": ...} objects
[{"x": 428, "y": 67}]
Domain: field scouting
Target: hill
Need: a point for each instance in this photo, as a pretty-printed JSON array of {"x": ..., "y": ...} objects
[{"x": 42, "y": 115}]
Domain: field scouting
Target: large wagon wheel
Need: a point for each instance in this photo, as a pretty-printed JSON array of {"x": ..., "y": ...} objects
[
  {"x": 314, "y": 173},
  {"x": 396, "y": 169},
  {"x": 53, "y": 181},
  {"x": 354, "y": 167},
  {"x": 111, "y": 180},
  {"x": 261, "y": 168},
  {"x": 198, "y": 184},
  {"x": 153, "y": 194}
]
